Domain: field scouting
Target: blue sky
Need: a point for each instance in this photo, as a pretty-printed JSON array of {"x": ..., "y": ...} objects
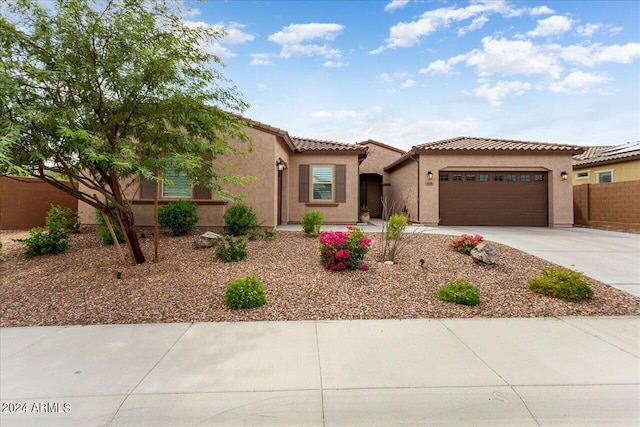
[{"x": 410, "y": 72}]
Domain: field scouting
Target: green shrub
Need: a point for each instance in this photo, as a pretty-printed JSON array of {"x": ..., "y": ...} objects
[
  {"x": 562, "y": 283},
  {"x": 60, "y": 218},
  {"x": 103, "y": 230},
  {"x": 232, "y": 250},
  {"x": 42, "y": 242},
  {"x": 245, "y": 293},
  {"x": 266, "y": 233},
  {"x": 312, "y": 222},
  {"x": 459, "y": 291},
  {"x": 180, "y": 216},
  {"x": 397, "y": 224},
  {"x": 240, "y": 219}
]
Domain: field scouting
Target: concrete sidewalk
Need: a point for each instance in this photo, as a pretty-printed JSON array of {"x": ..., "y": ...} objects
[{"x": 516, "y": 372}]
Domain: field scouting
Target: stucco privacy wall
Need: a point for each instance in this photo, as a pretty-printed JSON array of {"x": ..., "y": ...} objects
[
  {"x": 404, "y": 189},
  {"x": 560, "y": 191},
  {"x": 24, "y": 202},
  {"x": 622, "y": 171},
  {"x": 615, "y": 204},
  {"x": 337, "y": 213}
]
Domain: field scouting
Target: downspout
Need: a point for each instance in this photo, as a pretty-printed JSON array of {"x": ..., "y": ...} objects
[{"x": 418, "y": 195}]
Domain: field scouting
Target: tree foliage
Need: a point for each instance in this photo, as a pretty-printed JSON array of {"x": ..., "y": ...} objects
[{"x": 105, "y": 93}]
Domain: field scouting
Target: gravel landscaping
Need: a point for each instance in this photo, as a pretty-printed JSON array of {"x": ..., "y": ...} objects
[{"x": 79, "y": 287}]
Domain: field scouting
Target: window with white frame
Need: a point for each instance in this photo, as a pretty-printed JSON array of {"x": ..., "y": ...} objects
[
  {"x": 605, "y": 176},
  {"x": 583, "y": 175},
  {"x": 322, "y": 183},
  {"x": 180, "y": 185}
]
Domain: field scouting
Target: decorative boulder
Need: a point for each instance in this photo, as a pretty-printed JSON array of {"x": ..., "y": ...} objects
[
  {"x": 484, "y": 253},
  {"x": 207, "y": 240}
]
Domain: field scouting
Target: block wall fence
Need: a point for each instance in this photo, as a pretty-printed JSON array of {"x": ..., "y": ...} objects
[{"x": 610, "y": 205}]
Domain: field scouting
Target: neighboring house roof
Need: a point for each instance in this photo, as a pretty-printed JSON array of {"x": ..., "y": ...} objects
[
  {"x": 608, "y": 154},
  {"x": 380, "y": 144},
  {"x": 474, "y": 144},
  {"x": 308, "y": 144}
]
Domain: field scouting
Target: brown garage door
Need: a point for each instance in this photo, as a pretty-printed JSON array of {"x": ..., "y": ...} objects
[{"x": 493, "y": 198}]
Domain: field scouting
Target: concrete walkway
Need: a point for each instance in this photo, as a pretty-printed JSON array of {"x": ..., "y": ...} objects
[
  {"x": 608, "y": 256},
  {"x": 514, "y": 372}
]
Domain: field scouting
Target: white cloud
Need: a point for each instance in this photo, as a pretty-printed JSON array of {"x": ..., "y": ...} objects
[
  {"x": 437, "y": 68},
  {"x": 406, "y": 34},
  {"x": 235, "y": 35},
  {"x": 340, "y": 114},
  {"x": 496, "y": 93},
  {"x": 596, "y": 54},
  {"x": 510, "y": 57},
  {"x": 395, "y": 4},
  {"x": 260, "y": 59},
  {"x": 293, "y": 37},
  {"x": 476, "y": 24},
  {"x": 333, "y": 64},
  {"x": 588, "y": 30},
  {"x": 385, "y": 77},
  {"x": 551, "y": 26},
  {"x": 220, "y": 51},
  {"x": 613, "y": 31},
  {"x": 408, "y": 83},
  {"x": 579, "y": 82},
  {"x": 261, "y": 86},
  {"x": 542, "y": 10}
]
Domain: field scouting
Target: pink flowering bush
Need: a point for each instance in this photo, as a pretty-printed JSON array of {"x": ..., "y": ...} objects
[
  {"x": 465, "y": 243},
  {"x": 341, "y": 251}
]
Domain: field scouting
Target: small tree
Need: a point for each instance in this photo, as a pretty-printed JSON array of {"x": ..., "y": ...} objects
[{"x": 107, "y": 93}]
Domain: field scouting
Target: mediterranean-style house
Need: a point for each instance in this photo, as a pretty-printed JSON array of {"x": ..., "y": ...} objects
[
  {"x": 460, "y": 181},
  {"x": 604, "y": 164}
]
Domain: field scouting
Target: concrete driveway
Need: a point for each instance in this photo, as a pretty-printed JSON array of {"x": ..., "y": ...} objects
[{"x": 608, "y": 256}]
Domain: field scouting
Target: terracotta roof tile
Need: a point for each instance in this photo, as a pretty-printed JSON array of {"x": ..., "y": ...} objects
[
  {"x": 308, "y": 144},
  {"x": 491, "y": 144},
  {"x": 607, "y": 154}
]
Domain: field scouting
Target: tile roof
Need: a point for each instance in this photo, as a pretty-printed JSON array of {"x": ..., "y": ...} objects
[
  {"x": 491, "y": 144},
  {"x": 608, "y": 154},
  {"x": 308, "y": 144},
  {"x": 271, "y": 129}
]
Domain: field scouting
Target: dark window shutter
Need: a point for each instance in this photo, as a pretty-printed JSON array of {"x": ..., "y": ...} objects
[
  {"x": 341, "y": 183},
  {"x": 147, "y": 189},
  {"x": 201, "y": 192},
  {"x": 303, "y": 187}
]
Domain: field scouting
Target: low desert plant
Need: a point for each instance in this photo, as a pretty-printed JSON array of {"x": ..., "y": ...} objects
[
  {"x": 393, "y": 238},
  {"x": 342, "y": 251},
  {"x": 460, "y": 291},
  {"x": 62, "y": 218},
  {"x": 232, "y": 250},
  {"x": 180, "y": 216},
  {"x": 562, "y": 283},
  {"x": 240, "y": 219},
  {"x": 42, "y": 242},
  {"x": 312, "y": 222},
  {"x": 465, "y": 243},
  {"x": 266, "y": 233},
  {"x": 245, "y": 293},
  {"x": 103, "y": 230}
]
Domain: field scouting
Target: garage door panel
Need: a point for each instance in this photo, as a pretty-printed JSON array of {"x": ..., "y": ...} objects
[{"x": 472, "y": 202}]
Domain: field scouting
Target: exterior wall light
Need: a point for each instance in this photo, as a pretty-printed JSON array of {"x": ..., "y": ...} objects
[
  {"x": 564, "y": 175},
  {"x": 429, "y": 175},
  {"x": 281, "y": 165}
]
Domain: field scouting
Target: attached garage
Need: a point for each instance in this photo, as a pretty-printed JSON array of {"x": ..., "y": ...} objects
[{"x": 493, "y": 198}]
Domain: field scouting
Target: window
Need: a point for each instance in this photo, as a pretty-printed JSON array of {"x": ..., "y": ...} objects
[
  {"x": 484, "y": 177},
  {"x": 583, "y": 175},
  {"x": 511, "y": 177},
  {"x": 497, "y": 177},
  {"x": 538, "y": 177},
  {"x": 180, "y": 184},
  {"x": 457, "y": 177},
  {"x": 322, "y": 183},
  {"x": 444, "y": 177},
  {"x": 471, "y": 177},
  {"x": 525, "y": 178},
  {"x": 605, "y": 176}
]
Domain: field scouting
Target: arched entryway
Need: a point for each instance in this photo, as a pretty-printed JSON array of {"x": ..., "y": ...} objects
[{"x": 371, "y": 193}]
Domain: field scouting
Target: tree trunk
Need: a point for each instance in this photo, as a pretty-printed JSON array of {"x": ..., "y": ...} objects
[{"x": 132, "y": 238}]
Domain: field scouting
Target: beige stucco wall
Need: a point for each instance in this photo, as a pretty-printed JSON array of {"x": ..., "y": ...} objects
[
  {"x": 622, "y": 172},
  {"x": 377, "y": 158},
  {"x": 560, "y": 191},
  {"x": 404, "y": 189},
  {"x": 343, "y": 213}
]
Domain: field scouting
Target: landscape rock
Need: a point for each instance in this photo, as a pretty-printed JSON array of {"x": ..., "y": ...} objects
[
  {"x": 484, "y": 253},
  {"x": 207, "y": 240}
]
